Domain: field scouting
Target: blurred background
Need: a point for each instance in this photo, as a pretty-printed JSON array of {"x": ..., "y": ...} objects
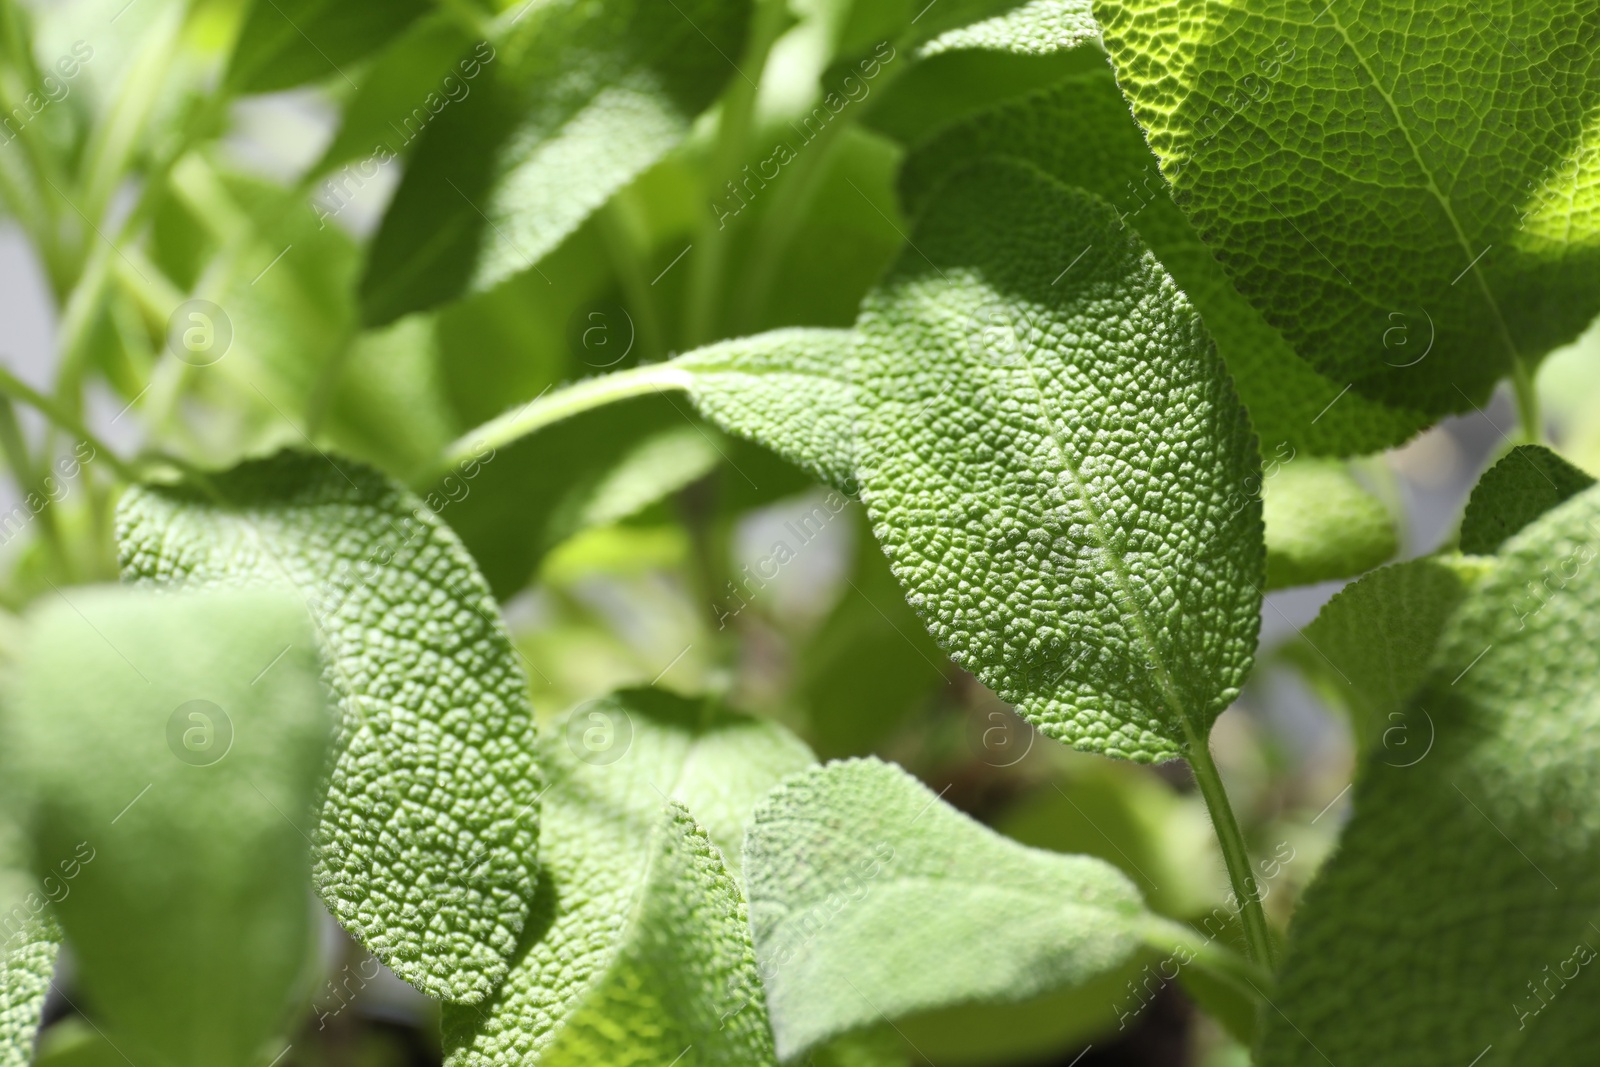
[{"x": 684, "y": 559}]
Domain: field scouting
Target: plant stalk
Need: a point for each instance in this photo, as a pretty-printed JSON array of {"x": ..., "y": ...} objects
[
  {"x": 1527, "y": 402},
  {"x": 549, "y": 408},
  {"x": 1248, "y": 977},
  {"x": 1234, "y": 854}
]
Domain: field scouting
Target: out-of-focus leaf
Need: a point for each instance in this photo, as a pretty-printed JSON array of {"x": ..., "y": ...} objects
[
  {"x": 434, "y": 878},
  {"x": 433, "y": 57},
  {"x": 284, "y": 43},
  {"x": 171, "y": 747},
  {"x": 1526, "y": 482},
  {"x": 1374, "y": 644},
  {"x": 577, "y": 100},
  {"x": 870, "y": 663},
  {"x": 513, "y": 504},
  {"x": 1322, "y": 524},
  {"x": 1031, "y": 28},
  {"x": 606, "y": 903}
]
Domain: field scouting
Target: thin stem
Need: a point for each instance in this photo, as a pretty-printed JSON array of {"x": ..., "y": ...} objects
[
  {"x": 617, "y": 230},
  {"x": 547, "y": 409},
  {"x": 1248, "y": 977},
  {"x": 1234, "y": 854},
  {"x": 21, "y": 390},
  {"x": 733, "y": 136},
  {"x": 1527, "y": 402}
]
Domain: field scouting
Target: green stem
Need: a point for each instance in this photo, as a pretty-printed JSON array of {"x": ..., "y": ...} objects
[
  {"x": 1527, "y": 402},
  {"x": 733, "y": 137},
  {"x": 1248, "y": 977},
  {"x": 13, "y": 386},
  {"x": 1234, "y": 854},
  {"x": 617, "y": 229},
  {"x": 30, "y": 481},
  {"x": 550, "y": 408}
]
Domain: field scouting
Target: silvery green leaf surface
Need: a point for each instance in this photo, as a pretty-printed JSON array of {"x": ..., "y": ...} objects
[
  {"x": 1057, "y": 465},
  {"x": 617, "y": 889},
  {"x": 170, "y": 751},
  {"x": 426, "y": 843},
  {"x": 1455, "y": 920}
]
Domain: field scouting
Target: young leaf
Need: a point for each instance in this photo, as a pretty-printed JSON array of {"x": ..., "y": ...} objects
[
  {"x": 1051, "y": 454},
  {"x": 611, "y": 765},
  {"x": 1527, "y": 482},
  {"x": 575, "y": 101},
  {"x": 1374, "y": 642},
  {"x": 1323, "y": 154},
  {"x": 171, "y": 746},
  {"x": 436, "y": 879},
  {"x": 1503, "y": 804},
  {"x": 1032, "y": 28},
  {"x": 284, "y": 43},
  {"x": 786, "y": 389},
  {"x": 871, "y": 899},
  {"x": 1080, "y": 132},
  {"x": 684, "y": 977},
  {"x": 1322, "y": 524}
]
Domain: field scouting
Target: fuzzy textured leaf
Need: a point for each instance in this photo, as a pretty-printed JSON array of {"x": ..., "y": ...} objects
[
  {"x": 872, "y": 899},
  {"x": 1527, "y": 482},
  {"x": 425, "y": 848},
  {"x": 1351, "y": 186},
  {"x": 1505, "y": 803},
  {"x": 1032, "y": 28},
  {"x": 181, "y": 740},
  {"x": 578, "y": 99},
  {"x": 787, "y": 389},
  {"x": 1322, "y": 524},
  {"x": 32, "y": 943},
  {"x": 1374, "y": 643},
  {"x": 1052, "y": 455},
  {"x": 599, "y": 916},
  {"x": 1080, "y": 132}
]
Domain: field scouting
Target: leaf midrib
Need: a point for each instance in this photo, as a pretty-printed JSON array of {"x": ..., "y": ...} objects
[
  {"x": 1433, "y": 188},
  {"x": 1119, "y": 567}
]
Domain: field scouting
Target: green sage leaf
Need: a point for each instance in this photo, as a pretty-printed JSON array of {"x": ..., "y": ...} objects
[
  {"x": 1504, "y": 804},
  {"x": 1524, "y": 484},
  {"x": 616, "y": 891},
  {"x": 1322, "y": 524},
  {"x": 1053, "y": 455},
  {"x": 425, "y": 847},
  {"x": 172, "y": 749},
  {"x": 1358, "y": 196}
]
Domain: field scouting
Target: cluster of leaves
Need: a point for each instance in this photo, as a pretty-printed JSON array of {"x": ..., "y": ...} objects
[{"x": 1086, "y": 308}]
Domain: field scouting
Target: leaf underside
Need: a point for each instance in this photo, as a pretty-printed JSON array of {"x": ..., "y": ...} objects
[
  {"x": 1057, "y": 465},
  {"x": 426, "y": 843},
  {"x": 1322, "y": 524}
]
